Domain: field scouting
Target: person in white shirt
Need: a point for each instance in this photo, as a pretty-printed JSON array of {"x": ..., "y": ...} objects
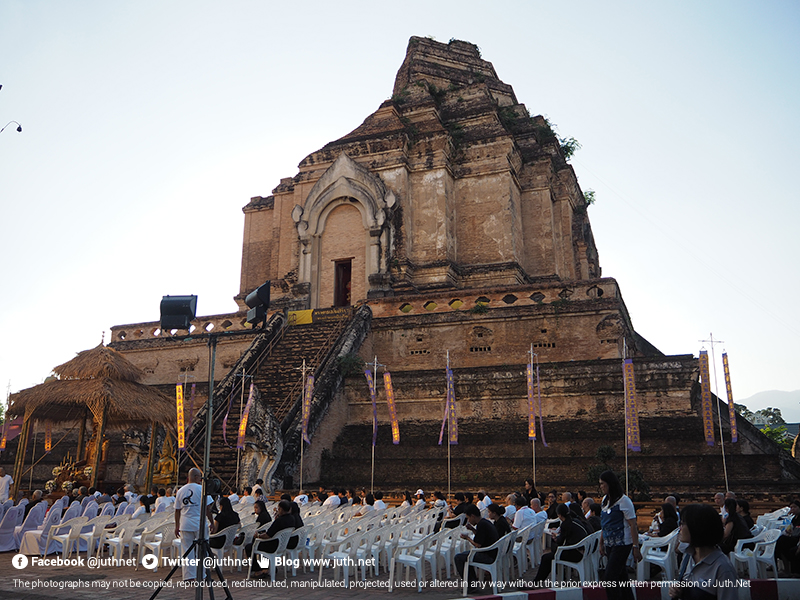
[
  {"x": 5, "y": 485},
  {"x": 585, "y": 506},
  {"x": 420, "y": 505},
  {"x": 143, "y": 508},
  {"x": 233, "y": 496},
  {"x": 511, "y": 508},
  {"x": 332, "y": 501},
  {"x": 379, "y": 503},
  {"x": 301, "y": 499},
  {"x": 187, "y": 518},
  {"x": 130, "y": 495},
  {"x": 161, "y": 499},
  {"x": 524, "y": 515},
  {"x": 566, "y": 498},
  {"x": 483, "y": 500},
  {"x": 247, "y": 498},
  {"x": 540, "y": 514},
  {"x": 369, "y": 506}
]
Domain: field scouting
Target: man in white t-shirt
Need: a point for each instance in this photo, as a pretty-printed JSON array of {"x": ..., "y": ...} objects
[
  {"x": 5, "y": 485},
  {"x": 379, "y": 503},
  {"x": 301, "y": 499},
  {"x": 187, "y": 519},
  {"x": 332, "y": 501},
  {"x": 247, "y": 497},
  {"x": 524, "y": 515},
  {"x": 540, "y": 514}
]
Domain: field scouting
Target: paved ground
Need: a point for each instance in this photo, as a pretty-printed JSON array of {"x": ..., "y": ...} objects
[{"x": 37, "y": 582}]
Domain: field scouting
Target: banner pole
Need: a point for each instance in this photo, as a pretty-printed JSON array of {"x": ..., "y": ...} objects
[
  {"x": 302, "y": 442},
  {"x": 719, "y": 411},
  {"x": 448, "y": 440},
  {"x": 372, "y": 479},
  {"x": 627, "y": 409}
]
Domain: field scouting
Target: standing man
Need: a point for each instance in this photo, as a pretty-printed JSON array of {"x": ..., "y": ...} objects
[
  {"x": 5, "y": 485},
  {"x": 187, "y": 519}
]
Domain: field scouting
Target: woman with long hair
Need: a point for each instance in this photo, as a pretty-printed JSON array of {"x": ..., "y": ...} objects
[
  {"x": 225, "y": 518},
  {"x": 619, "y": 535},
  {"x": 735, "y": 528}
]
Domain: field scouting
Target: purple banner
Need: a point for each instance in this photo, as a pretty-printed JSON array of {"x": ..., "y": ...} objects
[{"x": 373, "y": 398}]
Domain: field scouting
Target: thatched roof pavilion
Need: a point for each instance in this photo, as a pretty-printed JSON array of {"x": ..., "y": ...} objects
[{"x": 102, "y": 381}]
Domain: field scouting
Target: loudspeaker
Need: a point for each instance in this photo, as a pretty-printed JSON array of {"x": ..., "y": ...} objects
[
  {"x": 258, "y": 301},
  {"x": 177, "y": 312}
]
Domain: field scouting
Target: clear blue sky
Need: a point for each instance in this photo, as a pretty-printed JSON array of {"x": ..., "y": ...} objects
[{"x": 148, "y": 125}]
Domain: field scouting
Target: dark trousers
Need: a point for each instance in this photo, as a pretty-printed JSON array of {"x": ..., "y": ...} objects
[
  {"x": 461, "y": 560},
  {"x": 617, "y": 570}
]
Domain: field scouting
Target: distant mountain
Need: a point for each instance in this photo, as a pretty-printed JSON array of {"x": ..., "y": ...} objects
[{"x": 788, "y": 402}]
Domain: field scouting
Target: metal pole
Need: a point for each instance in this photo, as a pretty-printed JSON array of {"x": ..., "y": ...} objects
[
  {"x": 201, "y": 535},
  {"x": 33, "y": 461},
  {"x": 719, "y": 413},
  {"x": 372, "y": 480},
  {"x": 625, "y": 403},
  {"x": 448, "y": 434},
  {"x": 533, "y": 441},
  {"x": 303, "y": 399},
  {"x": 239, "y": 450}
]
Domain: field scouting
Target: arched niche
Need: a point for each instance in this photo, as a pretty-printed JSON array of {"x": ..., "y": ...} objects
[{"x": 345, "y": 183}]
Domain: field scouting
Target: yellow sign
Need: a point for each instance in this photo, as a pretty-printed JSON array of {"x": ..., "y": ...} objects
[{"x": 181, "y": 423}]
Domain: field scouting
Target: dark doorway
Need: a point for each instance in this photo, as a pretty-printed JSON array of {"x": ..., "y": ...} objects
[{"x": 341, "y": 283}]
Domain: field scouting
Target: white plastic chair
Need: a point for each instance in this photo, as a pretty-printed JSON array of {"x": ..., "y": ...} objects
[
  {"x": 536, "y": 543},
  {"x": 494, "y": 568},
  {"x": 764, "y": 554},
  {"x": 659, "y": 551},
  {"x": 282, "y": 537},
  {"x": 122, "y": 540},
  {"x": 91, "y": 532},
  {"x": 519, "y": 550},
  {"x": 237, "y": 550},
  {"x": 107, "y": 509},
  {"x": 743, "y": 560},
  {"x": 161, "y": 539},
  {"x": 297, "y": 552},
  {"x": 410, "y": 555},
  {"x": 226, "y": 535},
  {"x": 67, "y": 534},
  {"x": 344, "y": 554},
  {"x": 559, "y": 566}
]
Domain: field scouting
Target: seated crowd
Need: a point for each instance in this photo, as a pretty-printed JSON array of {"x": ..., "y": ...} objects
[{"x": 707, "y": 534}]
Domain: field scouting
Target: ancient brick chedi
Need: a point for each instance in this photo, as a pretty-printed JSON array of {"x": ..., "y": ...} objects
[{"x": 454, "y": 217}]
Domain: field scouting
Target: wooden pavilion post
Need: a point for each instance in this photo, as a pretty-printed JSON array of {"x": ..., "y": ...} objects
[
  {"x": 99, "y": 447},
  {"x": 81, "y": 438},
  {"x": 148, "y": 480},
  {"x": 19, "y": 461}
]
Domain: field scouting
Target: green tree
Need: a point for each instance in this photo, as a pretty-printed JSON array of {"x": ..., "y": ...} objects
[
  {"x": 742, "y": 410},
  {"x": 772, "y": 416},
  {"x": 779, "y": 435}
]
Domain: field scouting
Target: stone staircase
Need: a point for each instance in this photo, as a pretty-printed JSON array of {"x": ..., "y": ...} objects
[{"x": 278, "y": 382}]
